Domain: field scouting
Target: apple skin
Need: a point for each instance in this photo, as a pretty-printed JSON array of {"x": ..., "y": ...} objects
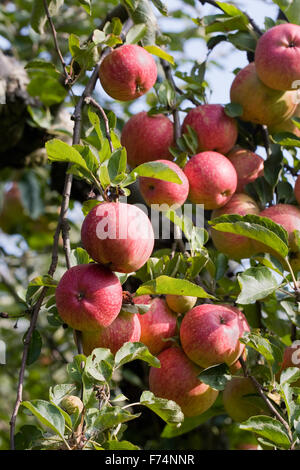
[
  {"x": 155, "y": 191},
  {"x": 291, "y": 357},
  {"x": 286, "y": 215},
  {"x": 126, "y": 327},
  {"x": 147, "y": 138},
  {"x": 210, "y": 334},
  {"x": 128, "y": 72},
  {"x": 297, "y": 189},
  {"x": 277, "y": 56},
  {"x": 88, "y": 297},
  {"x": 236, "y": 247},
  {"x": 71, "y": 404},
  {"x": 212, "y": 179},
  {"x": 248, "y": 166},
  {"x": 287, "y": 126},
  {"x": 129, "y": 236},
  {"x": 180, "y": 303},
  {"x": 266, "y": 106},
  {"x": 215, "y": 130},
  {"x": 157, "y": 324},
  {"x": 237, "y": 405},
  {"x": 177, "y": 380}
]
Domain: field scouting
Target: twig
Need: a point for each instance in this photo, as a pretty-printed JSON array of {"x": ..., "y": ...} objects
[
  {"x": 168, "y": 73},
  {"x": 62, "y": 60},
  {"x": 266, "y": 138},
  {"x": 265, "y": 398},
  {"x": 251, "y": 21},
  {"x": 93, "y": 102}
]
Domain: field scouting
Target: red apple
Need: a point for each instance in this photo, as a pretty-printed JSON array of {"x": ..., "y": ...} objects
[
  {"x": 291, "y": 358},
  {"x": 177, "y": 380},
  {"x": 212, "y": 179},
  {"x": 277, "y": 56},
  {"x": 248, "y": 166},
  {"x": 261, "y": 104},
  {"x": 289, "y": 217},
  {"x": 128, "y": 72},
  {"x": 164, "y": 193},
  {"x": 210, "y": 334},
  {"x": 117, "y": 235},
  {"x": 297, "y": 188},
  {"x": 126, "y": 327},
  {"x": 88, "y": 297},
  {"x": 241, "y": 400},
  {"x": 158, "y": 324},
  {"x": 235, "y": 246},
  {"x": 147, "y": 138},
  {"x": 180, "y": 303},
  {"x": 215, "y": 130}
]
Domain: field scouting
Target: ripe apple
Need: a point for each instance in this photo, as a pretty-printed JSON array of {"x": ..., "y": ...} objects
[
  {"x": 157, "y": 324},
  {"x": 155, "y": 191},
  {"x": 210, "y": 334},
  {"x": 289, "y": 217},
  {"x": 177, "y": 380},
  {"x": 248, "y": 166},
  {"x": 235, "y": 246},
  {"x": 291, "y": 358},
  {"x": 215, "y": 130},
  {"x": 277, "y": 56},
  {"x": 297, "y": 188},
  {"x": 126, "y": 327},
  {"x": 261, "y": 104},
  {"x": 118, "y": 235},
  {"x": 127, "y": 72},
  {"x": 147, "y": 138},
  {"x": 88, "y": 297},
  {"x": 241, "y": 400},
  {"x": 180, "y": 303},
  {"x": 212, "y": 179}
]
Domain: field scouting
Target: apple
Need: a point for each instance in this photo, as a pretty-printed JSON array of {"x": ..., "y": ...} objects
[
  {"x": 180, "y": 303},
  {"x": 277, "y": 56},
  {"x": 248, "y": 166},
  {"x": 236, "y": 367},
  {"x": 71, "y": 404},
  {"x": 177, "y": 380},
  {"x": 215, "y": 130},
  {"x": 235, "y": 246},
  {"x": 212, "y": 179},
  {"x": 297, "y": 188},
  {"x": 158, "y": 324},
  {"x": 88, "y": 297},
  {"x": 165, "y": 193},
  {"x": 210, "y": 334},
  {"x": 126, "y": 327},
  {"x": 127, "y": 72},
  {"x": 261, "y": 104},
  {"x": 291, "y": 358},
  {"x": 241, "y": 400},
  {"x": 118, "y": 235},
  {"x": 288, "y": 125},
  {"x": 147, "y": 138},
  {"x": 288, "y": 216}
]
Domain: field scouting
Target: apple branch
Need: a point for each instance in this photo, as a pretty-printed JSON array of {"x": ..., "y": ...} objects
[{"x": 271, "y": 407}]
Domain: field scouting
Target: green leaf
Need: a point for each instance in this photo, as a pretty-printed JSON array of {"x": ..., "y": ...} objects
[
  {"x": 110, "y": 417},
  {"x": 286, "y": 139},
  {"x": 243, "y": 41},
  {"x": 117, "y": 164},
  {"x": 160, "y": 53},
  {"x": 58, "y": 392},
  {"x": 167, "y": 410},
  {"x": 170, "y": 285},
  {"x": 162, "y": 8},
  {"x": 263, "y": 346},
  {"x": 136, "y": 33},
  {"x": 131, "y": 351},
  {"x": 290, "y": 375},
  {"x": 81, "y": 256},
  {"x": 268, "y": 428},
  {"x": 46, "y": 281},
  {"x": 99, "y": 365},
  {"x": 255, "y": 227},
  {"x": 87, "y": 206},
  {"x": 291, "y": 9},
  {"x": 59, "y": 151},
  {"x": 47, "y": 414},
  {"x": 47, "y": 88},
  {"x": 233, "y": 110},
  {"x": 119, "y": 445},
  {"x": 27, "y": 437},
  {"x": 87, "y": 5},
  {"x": 35, "y": 348},
  {"x": 291, "y": 402},
  {"x": 231, "y": 10},
  {"x": 255, "y": 284},
  {"x": 157, "y": 170},
  {"x": 216, "y": 376}
]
